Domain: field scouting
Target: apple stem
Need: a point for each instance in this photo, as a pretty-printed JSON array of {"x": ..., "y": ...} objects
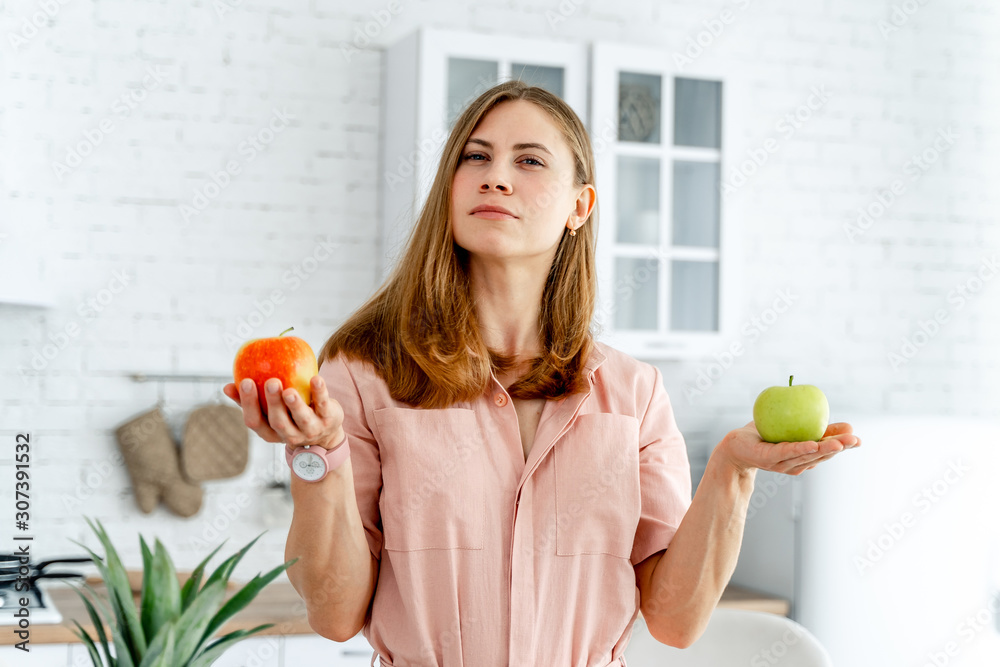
[
  {"x": 286, "y": 331},
  {"x": 790, "y": 380}
]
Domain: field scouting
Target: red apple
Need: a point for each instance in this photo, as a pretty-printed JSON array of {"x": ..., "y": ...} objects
[{"x": 287, "y": 358}]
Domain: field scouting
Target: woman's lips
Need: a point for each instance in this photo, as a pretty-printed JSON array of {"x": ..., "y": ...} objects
[{"x": 494, "y": 215}]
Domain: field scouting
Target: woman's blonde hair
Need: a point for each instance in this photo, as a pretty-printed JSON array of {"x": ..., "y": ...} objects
[{"x": 419, "y": 330}]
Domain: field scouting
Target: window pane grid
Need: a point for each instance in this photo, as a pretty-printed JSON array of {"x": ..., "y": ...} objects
[{"x": 687, "y": 267}]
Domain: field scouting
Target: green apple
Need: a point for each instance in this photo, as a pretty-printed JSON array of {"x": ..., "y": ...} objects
[{"x": 791, "y": 414}]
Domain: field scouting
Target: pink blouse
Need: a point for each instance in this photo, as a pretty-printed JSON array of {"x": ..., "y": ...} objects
[{"x": 490, "y": 560}]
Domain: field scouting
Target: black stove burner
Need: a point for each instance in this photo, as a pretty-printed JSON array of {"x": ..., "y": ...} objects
[{"x": 11, "y": 598}]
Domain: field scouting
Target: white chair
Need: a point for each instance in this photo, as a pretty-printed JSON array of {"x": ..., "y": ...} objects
[{"x": 733, "y": 638}]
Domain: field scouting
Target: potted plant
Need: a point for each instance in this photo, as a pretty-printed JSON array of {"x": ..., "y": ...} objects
[{"x": 174, "y": 625}]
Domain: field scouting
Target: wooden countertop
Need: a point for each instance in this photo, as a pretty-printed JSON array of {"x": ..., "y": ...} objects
[{"x": 280, "y": 604}]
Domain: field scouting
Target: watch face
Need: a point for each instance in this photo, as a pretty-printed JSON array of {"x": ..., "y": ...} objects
[{"x": 308, "y": 466}]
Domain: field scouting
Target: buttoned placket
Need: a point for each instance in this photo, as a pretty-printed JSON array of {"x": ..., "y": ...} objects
[{"x": 553, "y": 417}]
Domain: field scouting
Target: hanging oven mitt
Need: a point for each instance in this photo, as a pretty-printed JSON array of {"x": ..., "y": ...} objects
[
  {"x": 216, "y": 443},
  {"x": 151, "y": 456}
]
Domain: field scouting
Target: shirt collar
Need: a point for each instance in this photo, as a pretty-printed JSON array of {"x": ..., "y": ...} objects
[{"x": 596, "y": 358}]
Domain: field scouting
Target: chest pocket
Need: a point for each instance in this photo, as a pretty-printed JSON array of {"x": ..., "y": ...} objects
[
  {"x": 432, "y": 479},
  {"x": 597, "y": 486}
]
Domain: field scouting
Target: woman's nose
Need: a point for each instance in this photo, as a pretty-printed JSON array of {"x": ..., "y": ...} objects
[{"x": 495, "y": 178}]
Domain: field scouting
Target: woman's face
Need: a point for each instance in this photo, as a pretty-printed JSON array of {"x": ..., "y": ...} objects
[{"x": 535, "y": 183}]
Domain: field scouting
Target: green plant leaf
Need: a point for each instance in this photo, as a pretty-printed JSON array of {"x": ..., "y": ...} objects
[
  {"x": 115, "y": 619},
  {"x": 211, "y": 652},
  {"x": 243, "y": 597},
  {"x": 120, "y": 593},
  {"x": 174, "y": 625},
  {"x": 98, "y": 624},
  {"x": 101, "y": 603},
  {"x": 95, "y": 659},
  {"x": 161, "y": 593},
  {"x": 192, "y": 623},
  {"x": 147, "y": 584},
  {"x": 162, "y": 647},
  {"x": 190, "y": 588},
  {"x": 122, "y": 655},
  {"x": 225, "y": 569},
  {"x": 167, "y": 658}
]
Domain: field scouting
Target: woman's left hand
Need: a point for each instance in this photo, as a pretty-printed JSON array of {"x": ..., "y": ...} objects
[{"x": 745, "y": 451}]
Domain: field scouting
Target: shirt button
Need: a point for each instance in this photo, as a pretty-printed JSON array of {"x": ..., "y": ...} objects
[{"x": 501, "y": 400}]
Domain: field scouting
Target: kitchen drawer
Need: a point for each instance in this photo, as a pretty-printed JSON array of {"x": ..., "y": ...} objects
[
  {"x": 315, "y": 650},
  {"x": 40, "y": 655}
]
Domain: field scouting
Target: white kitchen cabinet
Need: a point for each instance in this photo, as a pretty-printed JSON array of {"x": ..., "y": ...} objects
[
  {"x": 315, "y": 650},
  {"x": 430, "y": 76},
  {"x": 255, "y": 651},
  {"x": 40, "y": 655},
  {"x": 665, "y": 250},
  {"x": 264, "y": 651}
]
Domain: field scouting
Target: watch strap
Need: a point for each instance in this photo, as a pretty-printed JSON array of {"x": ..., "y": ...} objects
[{"x": 334, "y": 458}]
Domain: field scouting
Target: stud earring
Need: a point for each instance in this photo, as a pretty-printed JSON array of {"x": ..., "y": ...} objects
[{"x": 572, "y": 232}]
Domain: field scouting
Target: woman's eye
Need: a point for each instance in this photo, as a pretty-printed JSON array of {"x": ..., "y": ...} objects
[{"x": 473, "y": 156}]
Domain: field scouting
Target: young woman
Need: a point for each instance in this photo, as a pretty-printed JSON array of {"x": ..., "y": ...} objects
[{"x": 500, "y": 488}]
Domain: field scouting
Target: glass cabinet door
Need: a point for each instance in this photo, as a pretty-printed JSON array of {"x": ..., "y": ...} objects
[
  {"x": 549, "y": 78},
  {"x": 660, "y": 247},
  {"x": 466, "y": 79},
  {"x": 469, "y": 77}
]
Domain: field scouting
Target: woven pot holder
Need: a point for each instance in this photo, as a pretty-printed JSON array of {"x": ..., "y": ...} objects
[
  {"x": 216, "y": 443},
  {"x": 151, "y": 457}
]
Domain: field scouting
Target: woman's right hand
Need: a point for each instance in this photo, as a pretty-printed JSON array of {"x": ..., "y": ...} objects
[{"x": 289, "y": 419}]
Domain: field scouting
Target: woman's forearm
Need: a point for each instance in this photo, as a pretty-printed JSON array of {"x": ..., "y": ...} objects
[
  {"x": 336, "y": 573},
  {"x": 689, "y": 579}
]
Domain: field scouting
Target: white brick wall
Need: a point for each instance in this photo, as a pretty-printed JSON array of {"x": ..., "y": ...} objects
[{"x": 222, "y": 78}]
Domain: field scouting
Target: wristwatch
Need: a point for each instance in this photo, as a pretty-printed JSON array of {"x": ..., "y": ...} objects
[{"x": 313, "y": 463}]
